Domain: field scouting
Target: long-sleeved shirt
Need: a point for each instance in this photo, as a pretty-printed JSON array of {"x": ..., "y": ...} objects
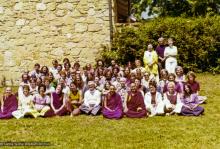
[{"x": 92, "y": 97}]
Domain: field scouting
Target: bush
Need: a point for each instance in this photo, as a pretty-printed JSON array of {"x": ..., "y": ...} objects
[{"x": 197, "y": 40}]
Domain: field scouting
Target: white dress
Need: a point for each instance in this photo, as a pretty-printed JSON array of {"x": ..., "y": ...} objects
[
  {"x": 157, "y": 108},
  {"x": 25, "y": 107},
  {"x": 171, "y": 62}
]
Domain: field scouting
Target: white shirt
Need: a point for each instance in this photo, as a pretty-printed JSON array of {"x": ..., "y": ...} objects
[
  {"x": 92, "y": 97},
  {"x": 170, "y": 51},
  {"x": 148, "y": 98}
]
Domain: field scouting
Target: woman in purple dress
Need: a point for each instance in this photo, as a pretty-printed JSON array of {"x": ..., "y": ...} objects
[
  {"x": 190, "y": 103},
  {"x": 8, "y": 103},
  {"x": 59, "y": 102},
  {"x": 112, "y": 108},
  {"x": 134, "y": 106}
]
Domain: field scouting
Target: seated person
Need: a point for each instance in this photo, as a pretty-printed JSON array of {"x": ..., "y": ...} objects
[
  {"x": 172, "y": 100},
  {"x": 59, "y": 102},
  {"x": 153, "y": 100},
  {"x": 25, "y": 105},
  {"x": 112, "y": 108},
  {"x": 33, "y": 87},
  {"x": 36, "y": 72},
  {"x": 92, "y": 100},
  {"x": 190, "y": 103},
  {"x": 171, "y": 78},
  {"x": 49, "y": 87},
  {"x": 180, "y": 77},
  {"x": 8, "y": 104},
  {"x": 195, "y": 86},
  {"x": 134, "y": 104},
  {"x": 41, "y": 101},
  {"x": 75, "y": 99}
]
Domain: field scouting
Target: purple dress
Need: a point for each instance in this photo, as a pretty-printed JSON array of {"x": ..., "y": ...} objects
[
  {"x": 58, "y": 102},
  {"x": 10, "y": 105},
  {"x": 191, "y": 101},
  {"x": 114, "y": 103}
]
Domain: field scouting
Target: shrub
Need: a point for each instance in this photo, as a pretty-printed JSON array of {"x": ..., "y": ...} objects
[{"x": 197, "y": 40}]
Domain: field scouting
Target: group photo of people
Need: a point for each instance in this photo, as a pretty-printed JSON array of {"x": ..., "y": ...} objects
[{"x": 153, "y": 86}]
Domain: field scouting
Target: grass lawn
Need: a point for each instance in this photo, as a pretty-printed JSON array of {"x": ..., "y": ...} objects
[{"x": 96, "y": 132}]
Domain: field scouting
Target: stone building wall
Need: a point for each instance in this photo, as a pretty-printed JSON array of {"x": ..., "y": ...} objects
[{"x": 34, "y": 31}]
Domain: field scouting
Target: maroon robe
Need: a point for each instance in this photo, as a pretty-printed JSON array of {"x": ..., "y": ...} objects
[
  {"x": 114, "y": 103},
  {"x": 133, "y": 103},
  {"x": 10, "y": 105},
  {"x": 57, "y": 103}
]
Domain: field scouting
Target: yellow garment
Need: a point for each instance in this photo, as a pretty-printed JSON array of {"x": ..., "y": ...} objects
[
  {"x": 151, "y": 58},
  {"x": 74, "y": 97}
]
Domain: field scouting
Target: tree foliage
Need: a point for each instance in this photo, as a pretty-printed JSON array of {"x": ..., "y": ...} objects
[
  {"x": 175, "y": 8},
  {"x": 197, "y": 40}
]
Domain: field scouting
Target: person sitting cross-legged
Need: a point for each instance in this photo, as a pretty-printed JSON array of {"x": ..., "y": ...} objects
[
  {"x": 172, "y": 100},
  {"x": 8, "y": 104},
  {"x": 92, "y": 100},
  {"x": 153, "y": 100},
  {"x": 134, "y": 104},
  {"x": 112, "y": 108}
]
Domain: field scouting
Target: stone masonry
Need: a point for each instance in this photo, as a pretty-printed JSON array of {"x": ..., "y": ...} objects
[{"x": 34, "y": 31}]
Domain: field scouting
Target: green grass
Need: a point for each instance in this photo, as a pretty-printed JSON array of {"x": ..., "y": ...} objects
[{"x": 97, "y": 132}]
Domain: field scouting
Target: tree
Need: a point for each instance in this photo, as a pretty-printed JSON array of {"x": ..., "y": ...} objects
[{"x": 175, "y": 8}]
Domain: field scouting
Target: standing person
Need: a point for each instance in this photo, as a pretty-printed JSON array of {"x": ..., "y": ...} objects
[
  {"x": 112, "y": 108},
  {"x": 160, "y": 52},
  {"x": 190, "y": 103},
  {"x": 134, "y": 104},
  {"x": 8, "y": 104},
  {"x": 92, "y": 100},
  {"x": 150, "y": 60},
  {"x": 25, "y": 105},
  {"x": 170, "y": 54},
  {"x": 153, "y": 100}
]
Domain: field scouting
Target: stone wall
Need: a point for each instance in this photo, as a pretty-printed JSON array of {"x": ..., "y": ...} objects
[{"x": 34, "y": 31}]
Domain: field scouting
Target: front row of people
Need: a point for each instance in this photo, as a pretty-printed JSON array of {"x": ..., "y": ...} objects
[{"x": 112, "y": 106}]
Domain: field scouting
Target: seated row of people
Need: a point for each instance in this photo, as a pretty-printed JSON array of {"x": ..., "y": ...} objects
[{"x": 111, "y": 104}]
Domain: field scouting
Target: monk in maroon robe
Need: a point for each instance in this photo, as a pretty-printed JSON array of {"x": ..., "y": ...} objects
[
  {"x": 8, "y": 104},
  {"x": 134, "y": 106},
  {"x": 113, "y": 108}
]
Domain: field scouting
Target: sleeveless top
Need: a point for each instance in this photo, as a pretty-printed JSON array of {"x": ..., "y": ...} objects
[
  {"x": 73, "y": 97},
  {"x": 172, "y": 98}
]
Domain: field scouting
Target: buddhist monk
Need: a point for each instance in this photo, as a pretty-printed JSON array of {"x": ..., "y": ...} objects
[
  {"x": 134, "y": 106},
  {"x": 8, "y": 103},
  {"x": 112, "y": 108}
]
